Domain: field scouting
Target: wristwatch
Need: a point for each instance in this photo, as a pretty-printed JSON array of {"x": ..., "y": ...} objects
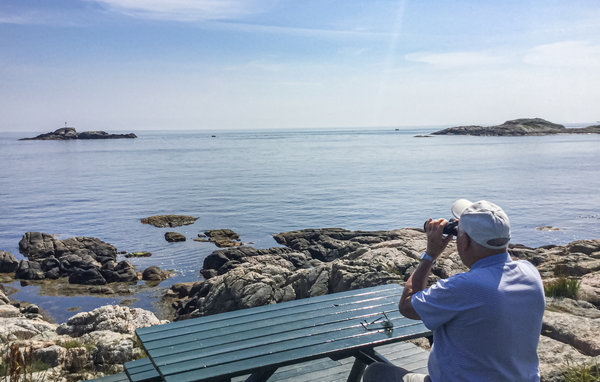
[{"x": 425, "y": 256}]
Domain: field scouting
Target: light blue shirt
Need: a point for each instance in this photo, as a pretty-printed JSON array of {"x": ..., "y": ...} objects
[{"x": 486, "y": 323}]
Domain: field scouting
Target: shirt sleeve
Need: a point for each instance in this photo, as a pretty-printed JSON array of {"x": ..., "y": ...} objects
[{"x": 441, "y": 302}]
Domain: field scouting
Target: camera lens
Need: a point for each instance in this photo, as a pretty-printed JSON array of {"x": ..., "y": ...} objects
[{"x": 451, "y": 228}]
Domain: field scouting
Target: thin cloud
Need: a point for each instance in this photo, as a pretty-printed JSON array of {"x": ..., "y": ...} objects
[
  {"x": 188, "y": 10},
  {"x": 455, "y": 59},
  {"x": 573, "y": 54}
]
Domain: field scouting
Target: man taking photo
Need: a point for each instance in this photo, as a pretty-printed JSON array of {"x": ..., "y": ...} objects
[{"x": 486, "y": 322}]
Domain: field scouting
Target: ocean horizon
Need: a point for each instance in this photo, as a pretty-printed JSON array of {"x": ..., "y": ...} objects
[{"x": 259, "y": 183}]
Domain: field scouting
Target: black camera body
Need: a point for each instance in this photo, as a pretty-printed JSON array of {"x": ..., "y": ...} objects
[{"x": 451, "y": 228}]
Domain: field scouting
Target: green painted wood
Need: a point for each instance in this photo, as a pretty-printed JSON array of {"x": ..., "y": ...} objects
[
  {"x": 290, "y": 308},
  {"x": 274, "y": 330},
  {"x": 141, "y": 370},
  {"x": 328, "y": 370},
  {"x": 234, "y": 343},
  {"x": 294, "y": 354}
]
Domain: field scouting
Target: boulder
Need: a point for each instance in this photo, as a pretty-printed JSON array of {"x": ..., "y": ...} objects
[
  {"x": 8, "y": 263},
  {"x": 119, "y": 319},
  {"x": 154, "y": 273},
  {"x": 37, "y": 246},
  {"x": 174, "y": 236},
  {"x": 579, "y": 332},
  {"x": 589, "y": 289},
  {"x": 223, "y": 238},
  {"x": 119, "y": 272},
  {"x": 52, "y": 355},
  {"x": 164, "y": 221},
  {"x": 18, "y": 327},
  {"x": 556, "y": 356},
  {"x": 112, "y": 349},
  {"x": 90, "y": 276},
  {"x": 29, "y": 270}
]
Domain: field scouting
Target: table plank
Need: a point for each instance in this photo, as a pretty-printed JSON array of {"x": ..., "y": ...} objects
[
  {"x": 141, "y": 370},
  {"x": 236, "y": 342}
]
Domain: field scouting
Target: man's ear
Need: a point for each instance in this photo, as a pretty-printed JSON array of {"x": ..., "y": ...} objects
[{"x": 468, "y": 241}]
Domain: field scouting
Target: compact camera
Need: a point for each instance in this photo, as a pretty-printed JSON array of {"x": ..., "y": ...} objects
[{"x": 451, "y": 228}]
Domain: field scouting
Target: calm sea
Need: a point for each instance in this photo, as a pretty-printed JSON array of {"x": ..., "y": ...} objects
[{"x": 263, "y": 182}]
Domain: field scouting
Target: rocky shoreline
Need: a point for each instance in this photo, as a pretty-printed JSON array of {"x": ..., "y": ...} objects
[
  {"x": 519, "y": 127},
  {"x": 309, "y": 263}
]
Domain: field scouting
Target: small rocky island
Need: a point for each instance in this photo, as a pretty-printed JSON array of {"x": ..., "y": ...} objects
[
  {"x": 69, "y": 133},
  {"x": 519, "y": 127}
]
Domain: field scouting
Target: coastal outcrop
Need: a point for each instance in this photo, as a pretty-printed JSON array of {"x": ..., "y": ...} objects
[
  {"x": 319, "y": 261},
  {"x": 84, "y": 260},
  {"x": 519, "y": 127},
  {"x": 164, "y": 221},
  {"x": 88, "y": 345},
  {"x": 69, "y": 133}
]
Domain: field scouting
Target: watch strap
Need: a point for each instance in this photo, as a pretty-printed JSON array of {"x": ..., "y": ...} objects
[{"x": 425, "y": 256}]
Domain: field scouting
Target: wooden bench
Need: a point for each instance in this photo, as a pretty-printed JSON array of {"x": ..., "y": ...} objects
[{"x": 259, "y": 340}]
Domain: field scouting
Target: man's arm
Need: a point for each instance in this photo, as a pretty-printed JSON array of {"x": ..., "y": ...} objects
[{"x": 436, "y": 243}]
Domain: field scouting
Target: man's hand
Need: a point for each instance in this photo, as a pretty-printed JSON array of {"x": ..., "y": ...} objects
[{"x": 436, "y": 241}]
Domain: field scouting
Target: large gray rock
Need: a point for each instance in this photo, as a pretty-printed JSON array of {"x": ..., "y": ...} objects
[
  {"x": 90, "y": 276},
  {"x": 52, "y": 355},
  {"x": 154, "y": 273},
  {"x": 590, "y": 288},
  {"x": 8, "y": 262},
  {"x": 29, "y": 270},
  {"x": 556, "y": 356},
  {"x": 37, "y": 246},
  {"x": 112, "y": 349},
  {"x": 578, "y": 331},
  {"x": 119, "y": 319},
  {"x": 17, "y": 327},
  {"x": 119, "y": 272}
]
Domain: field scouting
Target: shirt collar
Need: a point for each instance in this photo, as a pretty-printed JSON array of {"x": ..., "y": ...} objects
[{"x": 489, "y": 261}]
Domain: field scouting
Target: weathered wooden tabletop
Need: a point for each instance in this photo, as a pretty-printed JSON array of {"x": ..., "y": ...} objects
[{"x": 258, "y": 340}]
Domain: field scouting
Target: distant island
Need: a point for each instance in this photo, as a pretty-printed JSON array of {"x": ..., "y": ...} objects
[
  {"x": 518, "y": 127},
  {"x": 69, "y": 133}
]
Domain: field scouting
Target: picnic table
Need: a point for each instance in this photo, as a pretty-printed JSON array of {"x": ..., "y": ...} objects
[{"x": 257, "y": 341}]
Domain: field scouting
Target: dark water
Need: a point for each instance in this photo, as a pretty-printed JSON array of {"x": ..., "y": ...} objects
[{"x": 261, "y": 183}]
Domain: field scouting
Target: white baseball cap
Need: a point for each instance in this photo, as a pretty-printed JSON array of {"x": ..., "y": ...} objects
[{"x": 484, "y": 222}]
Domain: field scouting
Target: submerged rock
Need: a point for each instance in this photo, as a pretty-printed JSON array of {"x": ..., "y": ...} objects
[
  {"x": 223, "y": 238},
  {"x": 174, "y": 237},
  {"x": 163, "y": 221},
  {"x": 154, "y": 273}
]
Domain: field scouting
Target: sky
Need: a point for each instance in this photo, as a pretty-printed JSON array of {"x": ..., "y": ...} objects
[{"x": 125, "y": 65}]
